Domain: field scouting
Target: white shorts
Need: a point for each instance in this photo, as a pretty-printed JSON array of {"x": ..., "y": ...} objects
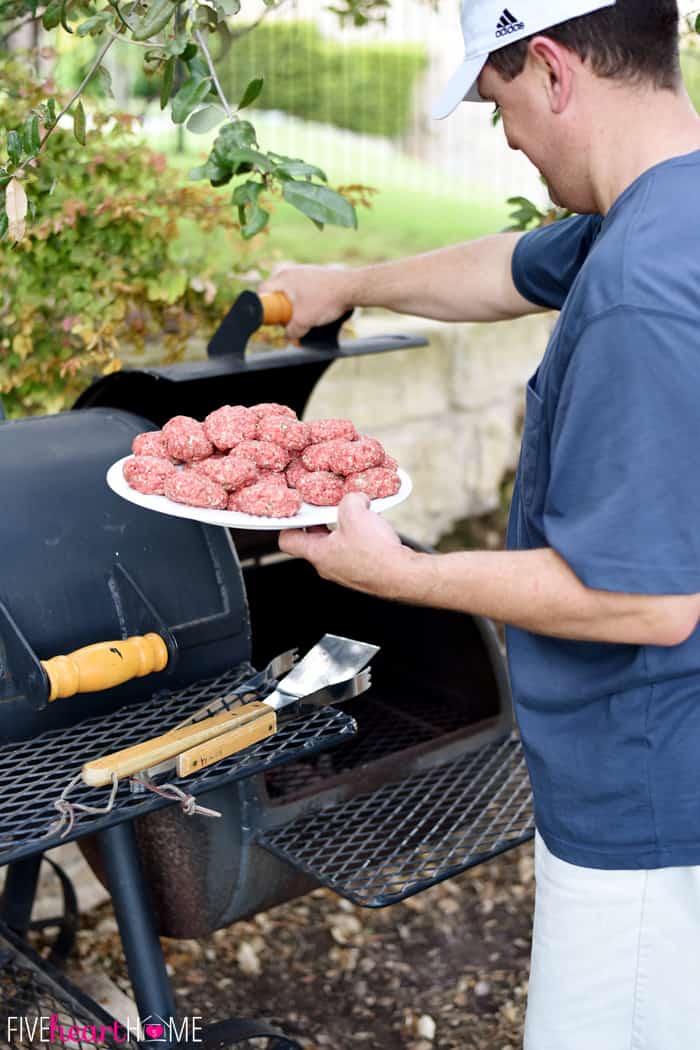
[{"x": 615, "y": 958}]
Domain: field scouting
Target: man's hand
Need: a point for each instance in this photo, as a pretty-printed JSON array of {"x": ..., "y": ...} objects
[
  {"x": 318, "y": 295},
  {"x": 364, "y": 552}
]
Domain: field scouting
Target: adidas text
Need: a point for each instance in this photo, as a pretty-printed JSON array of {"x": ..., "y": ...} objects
[{"x": 508, "y": 24}]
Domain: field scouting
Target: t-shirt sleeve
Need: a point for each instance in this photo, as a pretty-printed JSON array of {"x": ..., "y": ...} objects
[
  {"x": 546, "y": 261},
  {"x": 622, "y": 504}
]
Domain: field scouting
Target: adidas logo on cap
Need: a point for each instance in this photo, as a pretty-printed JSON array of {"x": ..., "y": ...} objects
[{"x": 508, "y": 24}]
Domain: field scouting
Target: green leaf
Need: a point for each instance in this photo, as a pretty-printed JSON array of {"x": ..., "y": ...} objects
[
  {"x": 697, "y": 24},
  {"x": 205, "y": 119},
  {"x": 52, "y": 15},
  {"x": 239, "y": 134},
  {"x": 298, "y": 169},
  {"x": 251, "y": 92},
  {"x": 320, "y": 203},
  {"x": 229, "y": 7},
  {"x": 178, "y": 44},
  {"x": 167, "y": 86},
  {"x": 79, "y": 123},
  {"x": 31, "y": 139},
  {"x": 95, "y": 25},
  {"x": 189, "y": 53},
  {"x": 251, "y": 216},
  {"x": 4, "y": 223},
  {"x": 14, "y": 146},
  {"x": 105, "y": 78},
  {"x": 243, "y": 160},
  {"x": 156, "y": 18},
  {"x": 192, "y": 92},
  {"x": 197, "y": 65}
]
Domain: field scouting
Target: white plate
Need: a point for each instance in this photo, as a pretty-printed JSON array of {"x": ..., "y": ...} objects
[{"x": 307, "y": 515}]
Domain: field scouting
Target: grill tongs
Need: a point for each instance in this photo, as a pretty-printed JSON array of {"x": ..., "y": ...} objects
[{"x": 333, "y": 671}]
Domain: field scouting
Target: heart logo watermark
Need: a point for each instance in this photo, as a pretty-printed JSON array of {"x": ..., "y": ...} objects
[{"x": 153, "y": 1031}]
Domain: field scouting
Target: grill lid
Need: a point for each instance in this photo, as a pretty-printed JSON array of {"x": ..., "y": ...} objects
[{"x": 81, "y": 565}]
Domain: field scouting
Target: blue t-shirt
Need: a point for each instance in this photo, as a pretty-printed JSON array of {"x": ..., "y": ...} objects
[{"x": 609, "y": 478}]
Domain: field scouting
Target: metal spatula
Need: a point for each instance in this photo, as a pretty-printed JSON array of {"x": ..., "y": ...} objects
[{"x": 333, "y": 659}]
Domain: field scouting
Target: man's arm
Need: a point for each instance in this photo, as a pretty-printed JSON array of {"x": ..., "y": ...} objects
[
  {"x": 465, "y": 282},
  {"x": 534, "y": 590}
]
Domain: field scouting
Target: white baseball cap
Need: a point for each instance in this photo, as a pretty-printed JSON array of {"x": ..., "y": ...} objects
[{"x": 487, "y": 26}]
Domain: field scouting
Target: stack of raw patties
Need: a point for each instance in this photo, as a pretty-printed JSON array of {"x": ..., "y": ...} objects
[{"x": 259, "y": 460}]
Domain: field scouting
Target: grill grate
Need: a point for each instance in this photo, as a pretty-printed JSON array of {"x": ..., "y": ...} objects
[
  {"x": 381, "y": 847},
  {"x": 30, "y": 993},
  {"x": 33, "y": 773},
  {"x": 389, "y": 721}
]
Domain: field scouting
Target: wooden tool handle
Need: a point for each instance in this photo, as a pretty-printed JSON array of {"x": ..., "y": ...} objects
[
  {"x": 105, "y": 665},
  {"x": 229, "y": 743},
  {"x": 149, "y": 753},
  {"x": 277, "y": 309}
]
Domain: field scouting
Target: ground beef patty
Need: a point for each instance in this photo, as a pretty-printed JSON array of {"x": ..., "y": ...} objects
[
  {"x": 351, "y": 457},
  {"x": 264, "y": 454},
  {"x": 230, "y": 471},
  {"x": 185, "y": 439},
  {"x": 147, "y": 474},
  {"x": 266, "y": 499},
  {"x": 193, "y": 489},
  {"x": 229, "y": 425},
  {"x": 377, "y": 482},
  {"x": 149, "y": 444},
  {"x": 321, "y": 488},
  {"x": 271, "y": 408},
  {"x": 283, "y": 431},
  {"x": 318, "y": 457},
  {"x": 332, "y": 429},
  {"x": 295, "y": 470}
]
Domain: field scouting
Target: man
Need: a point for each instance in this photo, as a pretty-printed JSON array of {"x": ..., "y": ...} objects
[{"x": 600, "y": 585}]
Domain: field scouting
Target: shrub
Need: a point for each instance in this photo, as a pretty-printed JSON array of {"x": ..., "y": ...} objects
[{"x": 101, "y": 272}]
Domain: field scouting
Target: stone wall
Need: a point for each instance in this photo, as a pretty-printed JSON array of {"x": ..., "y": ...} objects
[{"x": 449, "y": 412}]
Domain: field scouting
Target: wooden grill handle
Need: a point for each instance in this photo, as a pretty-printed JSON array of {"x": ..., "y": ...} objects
[
  {"x": 277, "y": 309},
  {"x": 138, "y": 757},
  {"x": 104, "y": 665},
  {"x": 260, "y": 727}
]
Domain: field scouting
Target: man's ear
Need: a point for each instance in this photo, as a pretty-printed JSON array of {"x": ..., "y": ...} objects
[{"x": 553, "y": 63}]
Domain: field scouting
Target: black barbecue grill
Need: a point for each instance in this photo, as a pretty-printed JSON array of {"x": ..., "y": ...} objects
[{"x": 415, "y": 781}]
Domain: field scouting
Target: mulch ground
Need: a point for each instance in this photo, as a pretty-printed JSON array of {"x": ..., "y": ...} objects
[{"x": 445, "y": 970}]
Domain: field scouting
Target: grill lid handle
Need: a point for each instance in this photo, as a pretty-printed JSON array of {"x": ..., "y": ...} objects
[{"x": 105, "y": 665}]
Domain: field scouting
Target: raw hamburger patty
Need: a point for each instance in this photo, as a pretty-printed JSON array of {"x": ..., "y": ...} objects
[
  {"x": 294, "y": 471},
  {"x": 330, "y": 429},
  {"x": 318, "y": 457},
  {"x": 230, "y": 471},
  {"x": 377, "y": 482},
  {"x": 229, "y": 425},
  {"x": 281, "y": 430},
  {"x": 271, "y": 408},
  {"x": 351, "y": 457},
  {"x": 149, "y": 444},
  {"x": 264, "y": 454},
  {"x": 185, "y": 439},
  {"x": 187, "y": 486},
  {"x": 147, "y": 474},
  {"x": 266, "y": 499},
  {"x": 321, "y": 488}
]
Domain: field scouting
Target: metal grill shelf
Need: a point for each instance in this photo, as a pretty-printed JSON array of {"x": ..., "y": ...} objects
[
  {"x": 35, "y": 772},
  {"x": 383, "y": 846},
  {"x": 31, "y": 990}
]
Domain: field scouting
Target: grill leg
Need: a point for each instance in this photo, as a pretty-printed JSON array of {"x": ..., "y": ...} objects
[
  {"x": 19, "y": 893},
  {"x": 142, "y": 948}
]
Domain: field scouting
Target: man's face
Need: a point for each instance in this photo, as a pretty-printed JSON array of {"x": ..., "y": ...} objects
[{"x": 531, "y": 127}]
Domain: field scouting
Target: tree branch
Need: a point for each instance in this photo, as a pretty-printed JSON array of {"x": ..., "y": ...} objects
[
  {"x": 20, "y": 25},
  {"x": 210, "y": 62}
]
